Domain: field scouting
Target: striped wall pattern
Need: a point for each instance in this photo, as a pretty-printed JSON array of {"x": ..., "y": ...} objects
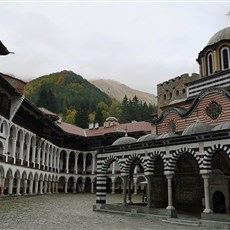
[
  {"x": 171, "y": 163},
  {"x": 151, "y": 161},
  {"x": 129, "y": 161},
  {"x": 169, "y": 155},
  {"x": 207, "y": 162}
]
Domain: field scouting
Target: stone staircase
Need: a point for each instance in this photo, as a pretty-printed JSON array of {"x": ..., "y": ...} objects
[{"x": 184, "y": 221}]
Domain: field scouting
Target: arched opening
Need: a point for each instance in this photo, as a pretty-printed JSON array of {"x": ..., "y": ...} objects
[
  {"x": 108, "y": 185},
  {"x": 219, "y": 181},
  {"x": 135, "y": 168},
  {"x": 62, "y": 161},
  {"x": 159, "y": 185},
  {"x": 71, "y": 162},
  {"x": 219, "y": 202},
  {"x": 61, "y": 184},
  {"x": 88, "y": 185},
  {"x": 16, "y": 182},
  {"x": 224, "y": 54},
  {"x": 118, "y": 185},
  {"x": 89, "y": 163},
  {"x": 70, "y": 185},
  {"x": 1, "y": 148},
  {"x": 79, "y": 185},
  {"x": 210, "y": 63},
  {"x": 187, "y": 185},
  {"x": 80, "y": 163}
]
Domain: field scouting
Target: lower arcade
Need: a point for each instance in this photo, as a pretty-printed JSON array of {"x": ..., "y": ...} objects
[{"x": 182, "y": 174}]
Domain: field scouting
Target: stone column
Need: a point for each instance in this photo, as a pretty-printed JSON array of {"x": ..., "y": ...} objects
[
  {"x": 3, "y": 186},
  {"x": 28, "y": 152},
  {"x": 206, "y": 193},
  {"x": 170, "y": 201},
  {"x": 33, "y": 154},
  {"x": 67, "y": 163},
  {"x": 14, "y": 149},
  {"x": 56, "y": 187},
  {"x": 149, "y": 190},
  {"x": 58, "y": 162},
  {"x": 51, "y": 161},
  {"x": 31, "y": 187},
  {"x": 25, "y": 187},
  {"x": 39, "y": 157},
  {"x": 18, "y": 186},
  {"x": 66, "y": 187},
  {"x": 92, "y": 187},
  {"x": 45, "y": 186},
  {"x": 84, "y": 164},
  {"x": 114, "y": 168},
  {"x": 135, "y": 186},
  {"x": 75, "y": 164},
  {"x": 94, "y": 164},
  {"x": 10, "y": 188},
  {"x": 21, "y": 149},
  {"x": 55, "y": 161},
  {"x": 36, "y": 187},
  {"x": 43, "y": 158},
  {"x": 125, "y": 180},
  {"x": 113, "y": 187},
  {"x": 41, "y": 187},
  {"x": 130, "y": 178}
]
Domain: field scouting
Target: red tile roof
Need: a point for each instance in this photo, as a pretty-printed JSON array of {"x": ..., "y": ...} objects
[{"x": 141, "y": 126}]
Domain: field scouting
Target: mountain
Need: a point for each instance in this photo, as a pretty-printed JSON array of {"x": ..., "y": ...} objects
[
  {"x": 118, "y": 90},
  {"x": 68, "y": 94}
]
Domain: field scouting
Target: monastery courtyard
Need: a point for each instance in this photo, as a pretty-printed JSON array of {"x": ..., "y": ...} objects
[{"x": 73, "y": 211}]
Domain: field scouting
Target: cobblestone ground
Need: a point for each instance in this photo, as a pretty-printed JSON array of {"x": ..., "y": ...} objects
[{"x": 72, "y": 211}]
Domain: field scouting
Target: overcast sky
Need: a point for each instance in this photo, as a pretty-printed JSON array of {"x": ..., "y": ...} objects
[{"x": 139, "y": 44}]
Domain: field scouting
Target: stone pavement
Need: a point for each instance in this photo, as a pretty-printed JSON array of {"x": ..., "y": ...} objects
[{"x": 73, "y": 211}]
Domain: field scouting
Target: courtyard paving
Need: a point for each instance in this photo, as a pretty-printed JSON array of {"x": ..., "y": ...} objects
[{"x": 73, "y": 211}]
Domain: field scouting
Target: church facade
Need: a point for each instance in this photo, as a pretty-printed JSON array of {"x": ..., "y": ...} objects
[{"x": 186, "y": 164}]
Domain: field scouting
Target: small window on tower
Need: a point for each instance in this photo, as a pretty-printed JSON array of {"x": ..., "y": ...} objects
[{"x": 224, "y": 54}]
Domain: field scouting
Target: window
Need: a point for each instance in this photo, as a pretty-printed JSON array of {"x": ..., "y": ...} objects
[
  {"x": 172, "y": 126},
  {"x": 210, "y": 64},
  {"x": 224, "y": 55},
  {"x": 183, "y": 91},
  {"x": 164, "y": 97},
  {"x": 177, "y": 93},
  {"x": 170, "y": 95},
  {"x": 214, "y": 110}
]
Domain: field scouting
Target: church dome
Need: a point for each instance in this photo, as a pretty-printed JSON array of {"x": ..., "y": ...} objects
[
  {"x": 222, "y": 126},
  {"x": 147, "y": 137},
  {"x": 167, "y": 135},
  {"x": 197, "y": 127},
  {"x": 124, "y": 140},
  {"x": 111, "y": 119},
  {"x": 223, "y": 34}
]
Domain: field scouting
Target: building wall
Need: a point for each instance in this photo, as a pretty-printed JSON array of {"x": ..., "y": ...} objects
[{"x": 174, "y": 89}]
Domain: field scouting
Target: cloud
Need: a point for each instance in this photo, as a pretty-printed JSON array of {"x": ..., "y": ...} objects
[{"x": 139, "y": 44}]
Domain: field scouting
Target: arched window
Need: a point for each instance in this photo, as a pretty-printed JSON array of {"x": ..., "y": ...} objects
[
  {"x": 224, "y": 56},
  {"x": 210, "y": 64}
]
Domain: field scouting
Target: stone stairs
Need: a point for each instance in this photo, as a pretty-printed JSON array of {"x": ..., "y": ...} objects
[{"x": 185, "y": 222}]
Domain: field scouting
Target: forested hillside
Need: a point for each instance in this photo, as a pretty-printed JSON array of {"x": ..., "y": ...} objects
[{"x": 80, "y": 102}]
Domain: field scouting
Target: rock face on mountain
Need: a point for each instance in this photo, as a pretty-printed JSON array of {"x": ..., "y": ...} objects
[{"x": 118, "y": 90}]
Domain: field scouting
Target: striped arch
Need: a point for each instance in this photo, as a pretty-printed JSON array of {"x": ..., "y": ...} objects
[
  {"x": 175, "y": 156},
  {"x": 107, "y": 163},
  {"x": 207, "y": 162},
  {"x": 129, "y": 161},
  {"x": 151, "y": 161}
]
